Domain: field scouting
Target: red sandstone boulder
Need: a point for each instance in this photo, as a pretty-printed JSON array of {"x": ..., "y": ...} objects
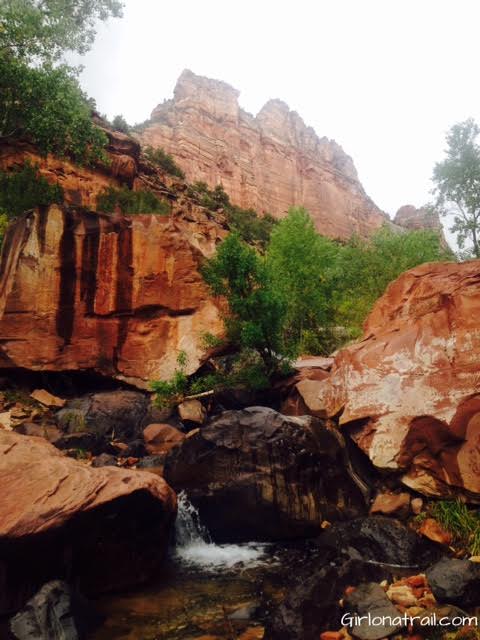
[
  {"x": 160, "y": 438},
  {"x": 409, "y": 392},
  {"x": 99, "y": 528},
  {"x": 391, "y": 504}
]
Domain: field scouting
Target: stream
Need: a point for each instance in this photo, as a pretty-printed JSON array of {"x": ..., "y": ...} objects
[{"x": 206, "y": 589}]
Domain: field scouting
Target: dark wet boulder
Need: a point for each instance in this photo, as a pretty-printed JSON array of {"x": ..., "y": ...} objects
[
  {"x": 54, "y": 613},
  {"x": 256, "y": 474},
  {"x": 455, "y": 581},
  {"x": 367, "y": 602},
  {"x": 312, "y": 604},
  {"x": 104, "y": 460},
  {"x": 380, "y": 539},
  {"x": 120, "y": 414}
]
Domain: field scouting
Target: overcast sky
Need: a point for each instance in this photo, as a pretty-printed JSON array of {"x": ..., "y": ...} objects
[{"x": 384, "y": 78}]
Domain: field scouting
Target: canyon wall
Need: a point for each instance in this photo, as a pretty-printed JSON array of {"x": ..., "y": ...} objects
[
  {"x": 268, "y": 162},
  {"x": 119, "y": 295}
]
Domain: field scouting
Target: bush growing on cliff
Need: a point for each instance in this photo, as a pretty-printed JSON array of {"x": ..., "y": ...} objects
[
  {"x": 120, "y": 124},
  {"x": 129, "y": 202},
  {"x": 163, "y": 160},
  {"x": 40, "y": 101},
  {"x": 252, "y": 228},
  {"x": 24, "y": 189}
]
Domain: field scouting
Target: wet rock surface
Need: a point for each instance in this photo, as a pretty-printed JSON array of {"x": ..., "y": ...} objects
[
  {"x": 370, "y": 599},
  {"x": 381, "y": 540},
  {"x": 455, "y": 581},
  {"x": 256, "y": 474},
  {"x": 54, "y": 613},
  {"x": 104, "y": 528}
]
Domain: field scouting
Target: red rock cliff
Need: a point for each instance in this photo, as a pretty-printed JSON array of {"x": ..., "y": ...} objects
[
  {"x": 118, "y": 295},
  {"x": 269, "y": 162}
]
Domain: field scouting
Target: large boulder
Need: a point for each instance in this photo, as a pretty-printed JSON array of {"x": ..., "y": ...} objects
[
  {"x": 257, "y": 474},
  {"x": 119, "y": 414},
  {"x": 101, "y": 529},
  {"x": 380, "y": 540},
  {"x": 409, "y": 391}
]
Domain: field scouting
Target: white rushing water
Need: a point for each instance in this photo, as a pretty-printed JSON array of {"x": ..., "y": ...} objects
[{"x": 194, "y": 545}]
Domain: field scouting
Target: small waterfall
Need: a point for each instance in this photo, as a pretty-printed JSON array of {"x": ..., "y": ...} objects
[
  {"x": 194, "y": 545},
  {"x": 188, "y": 528}
]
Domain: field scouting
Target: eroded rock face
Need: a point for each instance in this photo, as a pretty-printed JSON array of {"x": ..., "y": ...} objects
[
  {"x": 257, "y": 474},
  {"x": 409, "y": 392},
  {"x": 101, "y": 529},
  {"x": 118, "y": 295},
  {"x": 269, "y": 162}
]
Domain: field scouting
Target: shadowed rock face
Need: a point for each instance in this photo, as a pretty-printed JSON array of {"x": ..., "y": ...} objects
[
  {"x": 118, "y": 295},
  {"x": 256, "y": 474},
  {"x": 101, "y": 529},
  {"x": 268, "y": 162},
  {"x": 409, "y": 392}
]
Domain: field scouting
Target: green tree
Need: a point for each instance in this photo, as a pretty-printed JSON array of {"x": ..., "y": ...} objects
[
  {"x": 44, "y": 29},
  {"x": 457, "y": 180},
  {"x": 364, "y": 269},
  {"x": 300, "y": 263},
  {"x": 120, "y": 124},
  {"x": 256, "y": 316},
  {"x": 41, "y": 101},
  {"x": 47, "y": 106}
]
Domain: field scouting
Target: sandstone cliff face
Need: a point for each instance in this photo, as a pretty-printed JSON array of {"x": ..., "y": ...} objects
[
  {"x": 81, "y": 184},
  {"x": 409, "y": 392},
  {"x": 268, "y": 162},
  {"x": 118, "y": 295}
]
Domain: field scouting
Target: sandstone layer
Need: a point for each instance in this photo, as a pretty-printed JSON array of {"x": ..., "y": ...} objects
[
  {"x": 269, "y": 162},
  {"x": 409, "y": 392},
  {"x": 102, "y": 528},
  {"x": 118, "y": 295}
]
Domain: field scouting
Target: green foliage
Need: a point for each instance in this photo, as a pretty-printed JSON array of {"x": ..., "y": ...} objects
[
  {"x": 463, "y": 524},
  {"x": 120, "y": 124},
  {"x": 364, "y": 268},
  {"x": 25, "y": 189},
  {"x": 301, "y": 263},
  {"x": 46, "y": 105},
  {"x": 171, "y": 392},
  {"x": 457, "y": 180},
  {"x": 256, "y": 315},
  {"x": 252, "y": 228},
  {"x": 3, "y": 226},
  {"x": 128, "y": 202},
  {"x": 30, "y": 29},
  {"x": 164, "y": 160},
  {"x": 39, "y": 101}
]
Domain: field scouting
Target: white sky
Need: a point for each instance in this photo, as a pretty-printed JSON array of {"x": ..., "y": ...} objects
[{"x": 384, "y": 78}]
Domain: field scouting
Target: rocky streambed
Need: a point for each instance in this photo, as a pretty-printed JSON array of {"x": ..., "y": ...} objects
[{"x": 221, "y": 524}]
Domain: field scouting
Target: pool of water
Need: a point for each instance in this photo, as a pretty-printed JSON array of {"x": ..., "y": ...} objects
[{"x": 206, "y": 591}]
